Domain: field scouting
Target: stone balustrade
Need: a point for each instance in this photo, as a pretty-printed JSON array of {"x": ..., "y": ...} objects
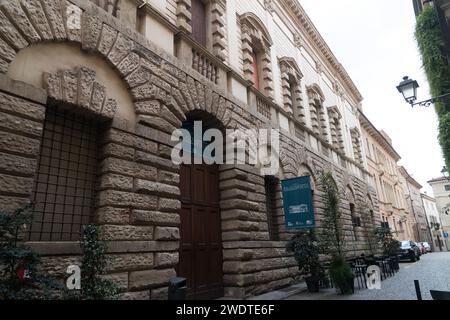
[
  {"x": 263, "y": 106},
  {"x": 203, "y": 65}
]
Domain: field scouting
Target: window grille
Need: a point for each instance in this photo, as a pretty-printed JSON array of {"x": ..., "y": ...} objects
[
  {"x": 271, "y": 184},
  {"x": 64, "y": 189}
]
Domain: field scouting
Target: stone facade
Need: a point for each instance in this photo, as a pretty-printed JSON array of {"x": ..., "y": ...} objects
[
  {"x": 386, "y": 178},
  {"x": 140, "y": 94},
  {"x": 440, "y": 190},
  {"x": 434, "y": 223},
  {"x": 415, "y": 207}
]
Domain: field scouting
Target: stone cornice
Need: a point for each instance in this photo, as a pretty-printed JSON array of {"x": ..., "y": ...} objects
[
  {"x": 370, "y": 128},
  {"x": 305, "y": 24},
  {"x": 409, "y": 178}
]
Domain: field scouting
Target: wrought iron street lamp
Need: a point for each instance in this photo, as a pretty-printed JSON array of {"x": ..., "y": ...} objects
[{"x": 408, "y": 88}]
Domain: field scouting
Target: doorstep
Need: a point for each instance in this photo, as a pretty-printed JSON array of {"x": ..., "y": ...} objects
[{"x": 282, "y": 293}]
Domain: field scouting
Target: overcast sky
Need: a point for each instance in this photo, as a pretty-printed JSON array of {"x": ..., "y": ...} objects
[{"x": 374, "y": 40}]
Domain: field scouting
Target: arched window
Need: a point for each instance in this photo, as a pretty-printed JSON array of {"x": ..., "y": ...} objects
[
  {"x": 256, "y": 56},
  {"x": 291, "y": 88},
  {"x": 64, "y": 189},
  {"x": 317, "y": 111}
]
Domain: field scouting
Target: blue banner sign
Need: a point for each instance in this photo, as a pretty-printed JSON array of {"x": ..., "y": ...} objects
[
  {"x": 298, "y": 203},
  {"x": 445, "y": 234}
]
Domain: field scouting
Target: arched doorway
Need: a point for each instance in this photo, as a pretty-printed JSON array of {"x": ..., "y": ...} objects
[{"x": 201, "y": 235}]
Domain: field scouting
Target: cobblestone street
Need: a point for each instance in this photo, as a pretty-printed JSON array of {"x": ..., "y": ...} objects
[{"x": 433, "y": 272}]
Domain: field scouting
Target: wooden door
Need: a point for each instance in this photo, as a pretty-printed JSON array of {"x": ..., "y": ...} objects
[{"x": 201, "y": 235}]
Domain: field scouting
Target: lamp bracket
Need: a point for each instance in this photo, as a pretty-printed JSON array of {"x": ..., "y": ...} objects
[{"x": 429, "y": 102}]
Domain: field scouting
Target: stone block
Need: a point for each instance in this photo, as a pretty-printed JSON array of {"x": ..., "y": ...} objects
[
  {"x": 111, "y": 215},
  {"x": 169, "y": 205},
  {"x": 156, "y": 188},
  {"x": 137, "y": 295},
  {"x": 115, "y": 232},
  {"x": 127, "y": 262},
  {"x": 140, "y": 280},
  {"x": 120, "y": 279},
  {"x": 116, "y": 181},
  {"x": 141, "y": 217},
  {"x": 164, "y": 259},
  {"x": 167, "y": 233}
]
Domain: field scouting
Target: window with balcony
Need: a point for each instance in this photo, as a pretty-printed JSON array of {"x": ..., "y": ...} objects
[
  {"x": 291, "y": 88},
  {"x": 356, "y": 143},
  {"x": 204, "y": 21},
  {"x": 256, "y": 56},
  {"x": 317, "y": 111},
  {"x": 337, "y": 139}
]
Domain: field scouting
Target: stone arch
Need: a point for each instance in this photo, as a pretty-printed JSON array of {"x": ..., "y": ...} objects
[
  {"x": 161, "y": 93},
  {"x": 292, "y": 160},
  {"x": 291, "y": 87},
  {"x": 255, "y": 36},
  {"x": 79, "y": 87},
  {"x": 315, "y": 93},
  {"x": 69, "y": 75},
  {"x": 257, "y": 28}
]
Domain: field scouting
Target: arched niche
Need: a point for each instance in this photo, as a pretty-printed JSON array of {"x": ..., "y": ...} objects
[{"x": 32, "y": 62}]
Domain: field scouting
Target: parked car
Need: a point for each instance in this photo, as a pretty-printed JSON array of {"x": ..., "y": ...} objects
[
  {"x": 422, "y": 249},
  {"x": 409, "y": 251},
  {"x": 427, "y": 246}
]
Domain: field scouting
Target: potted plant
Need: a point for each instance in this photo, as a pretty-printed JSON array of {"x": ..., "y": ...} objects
[
  {"x": 306, "y": 252},
  {"x": 332, "y": 237},
  {"x": 342, "y": 275}
]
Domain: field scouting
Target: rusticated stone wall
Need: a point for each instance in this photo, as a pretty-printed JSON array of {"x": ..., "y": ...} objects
[{"x": 138, "y": 189}]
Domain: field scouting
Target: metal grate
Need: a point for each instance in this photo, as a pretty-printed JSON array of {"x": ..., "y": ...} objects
[
  {"x": 64, "y": 188},
  {"x": 270, "y": 184}
]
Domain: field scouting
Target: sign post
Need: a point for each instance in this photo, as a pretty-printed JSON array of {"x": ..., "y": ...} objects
[{"x": 298, "y": 203}]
